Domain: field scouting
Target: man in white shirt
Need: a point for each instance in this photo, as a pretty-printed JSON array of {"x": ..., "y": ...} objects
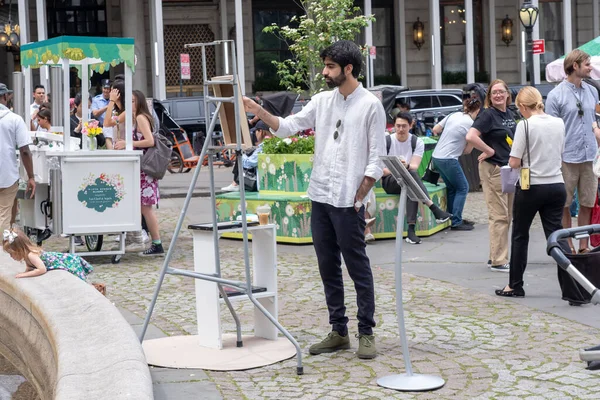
[
  {"x": 39, "y": 96},
  {"x": 349, "y": 123},
  {"x": 410, "y": 149},
  {"x": 13, "y": 135}
]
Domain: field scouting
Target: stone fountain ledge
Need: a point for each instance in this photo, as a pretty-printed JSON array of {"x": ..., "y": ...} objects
[{"x": 67, "y": 339}]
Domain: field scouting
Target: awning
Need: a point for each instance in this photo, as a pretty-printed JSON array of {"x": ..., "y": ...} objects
[{"x": 100, "y": 53}]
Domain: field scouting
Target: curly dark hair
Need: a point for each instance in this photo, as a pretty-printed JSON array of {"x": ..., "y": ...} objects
[{"x": 344, "y": 52}]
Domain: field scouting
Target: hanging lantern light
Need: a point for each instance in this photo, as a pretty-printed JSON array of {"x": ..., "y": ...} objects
[
  {"x": 418, "y": 35},
  {"x": 9, "y": 37},
  {"x": 507, "y": 30}
]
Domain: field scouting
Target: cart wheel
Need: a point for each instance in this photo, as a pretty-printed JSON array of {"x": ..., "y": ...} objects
[
  {"x": 94, "y": 242},
  {"x": 116, "y": 259},
  {"x": 176, "y": 164}
]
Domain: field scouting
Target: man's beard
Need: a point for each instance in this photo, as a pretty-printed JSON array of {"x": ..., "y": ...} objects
[{"x": 336, "y": 82}]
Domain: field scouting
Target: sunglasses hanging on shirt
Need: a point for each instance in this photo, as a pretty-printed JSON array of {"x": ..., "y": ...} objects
[
  {"x": 337, "y": 126},
  {"x": 579, "y": 109}
]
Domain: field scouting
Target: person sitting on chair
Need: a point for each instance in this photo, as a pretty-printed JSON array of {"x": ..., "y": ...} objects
[
  {"x": 410, "y": 149},
  {"x": 250, "y": 158}
]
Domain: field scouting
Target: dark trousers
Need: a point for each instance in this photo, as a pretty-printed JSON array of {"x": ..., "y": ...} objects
[
  {"x": 236, "y": 172},
  {"x": 335, "y": 231},
  {"x": 549, "y": 200},
  {"x": 391, "y": 186}
]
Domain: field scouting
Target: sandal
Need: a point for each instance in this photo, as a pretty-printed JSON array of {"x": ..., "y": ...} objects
[
  {"x": 510, "y": 293},
  {"x": 584, "y": 251}
]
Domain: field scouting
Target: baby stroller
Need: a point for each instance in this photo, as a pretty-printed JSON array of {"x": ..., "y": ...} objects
[{"x": 579, "y": 277}]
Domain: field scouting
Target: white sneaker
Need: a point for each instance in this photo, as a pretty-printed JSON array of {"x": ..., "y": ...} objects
[
  {"x": 117, "y": 238},
  {"x": 145, "y": 237},
  {"x": 369, "y": 238},
  {"x": 231, "y": 188}
]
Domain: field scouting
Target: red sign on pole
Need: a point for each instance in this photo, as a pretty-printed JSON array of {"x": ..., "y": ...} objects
[
  {"x": 539, "y": 46},
  {"x": 184, "y": 60},
  {"x": 373, "y": 52}
]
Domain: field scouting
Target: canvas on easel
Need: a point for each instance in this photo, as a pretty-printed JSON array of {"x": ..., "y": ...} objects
[{"x": 227, "y": 112}]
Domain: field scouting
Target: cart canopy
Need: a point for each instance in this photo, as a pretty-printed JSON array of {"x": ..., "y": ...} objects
[
  {"x": 555, "y": 71},
  {"x": 100, "y": 53}
]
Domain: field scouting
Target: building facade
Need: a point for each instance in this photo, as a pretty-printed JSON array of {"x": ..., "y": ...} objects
[{"x": 462, "y": 39}]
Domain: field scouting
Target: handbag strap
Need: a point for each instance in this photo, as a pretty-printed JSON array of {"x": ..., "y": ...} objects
[{"x": 527, "y": 144}]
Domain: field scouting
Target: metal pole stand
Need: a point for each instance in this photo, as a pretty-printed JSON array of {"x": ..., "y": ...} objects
[{"x": 409, "y": 381}]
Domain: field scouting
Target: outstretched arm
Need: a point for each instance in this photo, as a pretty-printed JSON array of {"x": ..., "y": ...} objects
[{"x": 38, "y": 267}]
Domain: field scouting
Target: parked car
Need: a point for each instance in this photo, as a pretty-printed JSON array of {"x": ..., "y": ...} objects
[{"x": 431, "y": 105}]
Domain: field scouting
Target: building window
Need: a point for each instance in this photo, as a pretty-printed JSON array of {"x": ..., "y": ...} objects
[
  {"x": 551, "y": 29},
  {"x": 453, "y": 38},
  {"x": 268, "y": 47},
  {"x": 383, "y": 40},
  {"x": 74, "y": 17}
]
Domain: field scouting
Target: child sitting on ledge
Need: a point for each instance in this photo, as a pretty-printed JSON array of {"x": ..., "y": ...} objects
[{"x": 20, "y": 248}]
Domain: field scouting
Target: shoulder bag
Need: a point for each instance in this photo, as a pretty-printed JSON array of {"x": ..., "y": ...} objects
[
  {"x": 156, "y": 159},
  {"x": 525, "y": 170}
]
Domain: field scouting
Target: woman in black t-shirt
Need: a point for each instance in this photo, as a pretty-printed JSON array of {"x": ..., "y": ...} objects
[{"x": 492, "y": 133}]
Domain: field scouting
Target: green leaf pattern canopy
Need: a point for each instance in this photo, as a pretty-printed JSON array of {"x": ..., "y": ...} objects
[{"x": 100, "y": 53}]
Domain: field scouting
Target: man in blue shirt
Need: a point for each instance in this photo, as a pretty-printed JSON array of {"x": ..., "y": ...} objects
[
  {"x": 100, "y": 102},
  {"x": 249, "y": 161},
  {"x": 575, "y": 102}
]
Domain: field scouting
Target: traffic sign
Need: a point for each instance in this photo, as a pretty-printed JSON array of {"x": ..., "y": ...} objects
[
  {"x": 539, "y": 46},
  {"x": 184, "y": 60},
  {"x": 373, "y": 52}
]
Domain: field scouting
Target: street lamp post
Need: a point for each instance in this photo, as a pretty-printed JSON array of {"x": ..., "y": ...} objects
[{"x": 528, "y": 15}]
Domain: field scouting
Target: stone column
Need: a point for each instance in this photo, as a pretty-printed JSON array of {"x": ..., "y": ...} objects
[{"x": 132, "y": 25}]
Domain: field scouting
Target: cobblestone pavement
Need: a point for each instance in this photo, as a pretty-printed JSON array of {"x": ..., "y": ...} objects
[{"x": 484, "y": 347}]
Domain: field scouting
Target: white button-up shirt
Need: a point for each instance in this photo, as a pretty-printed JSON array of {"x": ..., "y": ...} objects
[
  {"x": 340, "y": 164},
  {"x": 13, "y": 135}
]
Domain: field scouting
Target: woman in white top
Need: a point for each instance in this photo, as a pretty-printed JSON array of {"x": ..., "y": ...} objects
[
  {"x": 545, "y": 137},
  {"x": 453, "y": 144}
]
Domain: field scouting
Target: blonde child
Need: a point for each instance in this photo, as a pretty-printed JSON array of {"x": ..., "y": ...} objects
[{"x": 20, "y": 248}]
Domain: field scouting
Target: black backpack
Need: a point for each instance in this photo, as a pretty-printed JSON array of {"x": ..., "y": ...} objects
[{"x": 388, "y": 143}]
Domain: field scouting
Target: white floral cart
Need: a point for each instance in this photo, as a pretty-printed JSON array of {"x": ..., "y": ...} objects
[{"x": 92, "y": 193}]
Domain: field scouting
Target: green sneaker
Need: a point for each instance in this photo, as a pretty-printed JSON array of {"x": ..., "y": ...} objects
[
  {"x": 366, "y": 346},
  {"x": 333, "y": 342}
]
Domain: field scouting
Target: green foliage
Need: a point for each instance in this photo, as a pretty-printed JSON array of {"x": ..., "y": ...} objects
[
  {"x": 324, "y": 22},
  {"x": 292, "y": 145}
]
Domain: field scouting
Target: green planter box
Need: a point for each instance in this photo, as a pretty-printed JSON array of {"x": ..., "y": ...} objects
[
  {"x": 291, "y": 172},
  {"x": 284, "y": 172}
]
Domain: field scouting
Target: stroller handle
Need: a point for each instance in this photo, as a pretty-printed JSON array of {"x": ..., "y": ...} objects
[{"x": 554, "y": 249}]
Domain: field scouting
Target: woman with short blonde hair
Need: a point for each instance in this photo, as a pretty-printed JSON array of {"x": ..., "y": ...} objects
[{"x": 537, "y": 146}]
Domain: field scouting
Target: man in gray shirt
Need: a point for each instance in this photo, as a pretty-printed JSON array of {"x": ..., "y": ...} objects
[{"x": 575, "y": 102}]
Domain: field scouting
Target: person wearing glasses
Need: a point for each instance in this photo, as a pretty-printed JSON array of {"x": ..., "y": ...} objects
[
  {"x": 349, "y": 124},
  {"x": 410, "y": 149},
  {"x": 492, "y": 133},
  {"x": 575, "y": 102}
]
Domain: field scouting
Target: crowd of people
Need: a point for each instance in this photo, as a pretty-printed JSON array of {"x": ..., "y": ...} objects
[
  {"x": 108, "y": 109},
  {"x": 554, "y": 146},
  {"x": 554, "y": 152}
]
